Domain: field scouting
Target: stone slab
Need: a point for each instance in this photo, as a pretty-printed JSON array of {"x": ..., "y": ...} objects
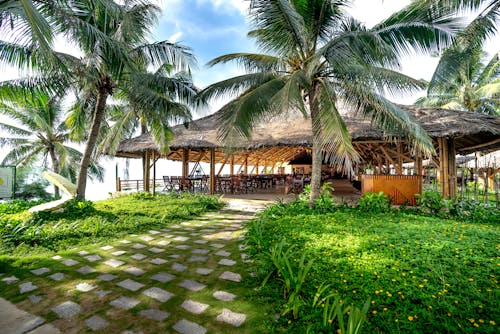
[
  {"x": 106, "y": 277},
  {"x": 10, "y": 279},
  {"x": 163, "y": 242},
  {"x": 96, "y": 323},
  {"x": 119, "y": 253},
  {"x": 40, "y": 271},
  {"x": 125, "y": 241},
  {"x": 134, "y": 271},
  {"x": 83, "y": 253},
  {"x": 158, "y": 294},
  {"x": 138, "y": 257},
  {"x": 114, "y": 263},
  {"x": 222, "y": 253},
  {"x": 147, "y": 238},
  {"x": 45, "y": 329},
  {"x": 85, "y": 287},
  {"x": 93, "y": 258},
  {"x": 154, "y": 314},
  {"x": 14, "y": 320},
  {"x": 67, "y": 309},
  {"x": 102, "y": 293},
  {"x": 182, "y": 247},
  {"x": 130, "y": 285},
  {"x": 154, "y": 232},
  {"x": 163, "y": 277},
  {"x": 57, "y": 257},
  {"x": 57, "y": 276},
  {"x": 232, "y": 318},
  {"x": 156, "y": 250},
  {"x": 35, "y": 299},
  {"x": 69, "y": 262},
  {"x": 107, "y": 247},
  {"x": 178, "y": 267},
  {"x": 180, "y": 238},
  {"x": 157, "y": 260},
  {"x": 194, "y": 307},
  {"x": 187, "y": 327},
  {"x": 200, "y": 251},
  {"x": 230, "y": 276},
  {"x": 27, "y": 287},
  {"x": 124, "y": 303},
  {"x": 138, "y": 246},
  {"x": 203, "y": 271},
  {"x": 218, "y": 245},
  {"x": 227, "y": 262},
  {"x": 192, "y": 285},
  {"x": 197, "y": 258},
  {"x": 86, "y": 270},
  {"x": 201, "y": 242},
  {"x": 224, "y": 296}
]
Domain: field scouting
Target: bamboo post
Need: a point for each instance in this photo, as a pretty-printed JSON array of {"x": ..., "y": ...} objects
[
  {"x": 245, "y": 168},
  {"x": 118, "y": 184},
  {"x": 154, "y": 173},
  {"x": 212, "y": 171},
  {"x": 145, "y": 181},
  {"x": 185, "y": 162},
  {"x": 231, "y": 166}
]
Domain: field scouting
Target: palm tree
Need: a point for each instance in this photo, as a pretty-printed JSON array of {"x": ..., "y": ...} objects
[
  {"x": 320, "y": 61},
  {"x": 474, "y": 86},
  {"x": 41, "y": 136},
  {"x": 113, "y": 39}
]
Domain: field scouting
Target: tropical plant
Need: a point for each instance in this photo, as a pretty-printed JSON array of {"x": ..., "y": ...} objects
[
  {"x": 462, "y": 80},
  {"x": 113, "y": 38},
  {"x": 322, "y": 62},
  {"x": 41, "y": 134}
]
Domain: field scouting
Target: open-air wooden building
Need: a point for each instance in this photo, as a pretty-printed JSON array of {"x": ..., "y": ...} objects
[{"x": 278, "y": 141}]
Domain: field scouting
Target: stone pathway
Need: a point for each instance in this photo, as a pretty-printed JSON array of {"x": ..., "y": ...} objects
[{"x": 180, "y": 279}]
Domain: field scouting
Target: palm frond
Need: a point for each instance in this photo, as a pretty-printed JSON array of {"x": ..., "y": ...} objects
[{"x": 251, "y": 62}]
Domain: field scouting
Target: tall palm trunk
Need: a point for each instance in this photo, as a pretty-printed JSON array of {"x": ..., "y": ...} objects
[
  {"x": 317, "y": 154},
  {"x": 55, "y": 167},
  {"x": 99, "y": 110}
]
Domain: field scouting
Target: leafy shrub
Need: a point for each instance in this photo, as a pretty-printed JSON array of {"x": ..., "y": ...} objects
[
  {"x": 143, "y": 196},
  {"x": 432, "y": 201},
  {"x": 16, "y": 206},
  {"x": 474, "y": 211},
  {"x": 374, "y": 203}
]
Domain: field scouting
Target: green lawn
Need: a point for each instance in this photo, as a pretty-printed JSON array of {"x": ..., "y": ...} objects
[{"x": 422, "y": 274}]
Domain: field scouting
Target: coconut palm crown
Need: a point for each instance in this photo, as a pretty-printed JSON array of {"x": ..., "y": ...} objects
[{"x": 320, "y": 61}]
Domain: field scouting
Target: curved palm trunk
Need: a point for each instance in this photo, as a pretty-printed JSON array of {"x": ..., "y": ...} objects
[
  {"x": 92, "y": 140},
  {"x": 55, "y": 167},
  {"x": 317, "y": 154}
]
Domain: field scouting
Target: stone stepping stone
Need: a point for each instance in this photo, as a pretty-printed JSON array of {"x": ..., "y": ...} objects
[
  {"x": 138, "y": 257},
  {"x": 180, "y": 238},
  {"x": 178, "y": 267},
  {"x": 201, "y": 242},
  {"x": 124, "y": 303},
  {"x": 106, "y": 277},
  {"x": 232, "y": 318},
  {"x": 96, "y": 323},
  {"x": 158, "y": 261},
  {"x": 230, "y": 276},
  {"x": 125, "y": 241},
  {"x": 85, "y": 287},
  {"x": 118, "y": 253},
  {"x": 197, "y": 258},
  {"x": 69, "y": 262},
  {"x": 183, "y": 247},
  {"x": 223, "y": 295},
  {"x": 106, "y": 248},
  {"x": 163, "y": 242},
  {"x": 130, "y": 285},
  {"x": 241, "y": 247},
  {"x": 200, "y": 251},
  {"x": 194, "y": 307},
  {"x": 57, "y": 257},
  {"x": 27, "y": 287},
  {"x": 147, "y": 238},
  {"x": 222, "y": 253},
  {"x": 114, "y": 263},
  {"x": 158, "y": 294},
  {"x": 138, "y": 246},
  {"x": 57, "y": 276},
  {"x": 168, "y": 235},
  {"x": 162, "y": 277},
  {"x": 156, "y": 250},
  {"x": 93, "y": 258},
  {"x": 83, "y": 253},
  {"x": 10, "y": 279},
  {"x": 102, "y": 293},
  {"x": 67, "y": 309},
  {"x": 40, "y": 271},
  {"x": 227, "y": 262},
  {"x": 194, "y": 234},
  {"x": 185, "y": 223},
  {"x": 153, "y": 232},
  {"x": 187, "y": 327},
  {"x": 204, "y": 271},
  {"x": 154, "y": 314},
  {"x": 35, "y": 299},
  {"x": 245, "y": 258},
  {"x": 174, "y": 256},
  {"x": 86, "y": 270},
  {"x": 192, "y": 285},
  {"x": 134, "y": 271}
]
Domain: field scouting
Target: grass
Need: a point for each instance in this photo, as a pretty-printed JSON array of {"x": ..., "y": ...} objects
[
  {"x": 131, "y": 218},
  {"x": 421, "y": 274}
]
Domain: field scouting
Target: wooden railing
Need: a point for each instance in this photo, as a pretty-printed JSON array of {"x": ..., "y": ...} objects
[
  {"x": 136, "y": 185},
  {"x": 401, "y": 188}
]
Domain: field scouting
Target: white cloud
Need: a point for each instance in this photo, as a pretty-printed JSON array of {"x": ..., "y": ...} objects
[
  {"x": 175, "y": 37},
  {"x": 230, "y": 5}
]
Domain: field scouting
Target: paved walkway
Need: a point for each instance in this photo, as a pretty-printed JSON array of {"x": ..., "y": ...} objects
[{"x": 180, "y": 279}]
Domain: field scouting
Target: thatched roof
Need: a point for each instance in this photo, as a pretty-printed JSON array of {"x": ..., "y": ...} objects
[{"x": 472, "y": 131}]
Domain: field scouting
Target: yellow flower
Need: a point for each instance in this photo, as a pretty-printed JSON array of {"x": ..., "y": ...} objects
[
  {"x": 449, "y": 314},
  {"x": 374, "y": 312},
  {"x": 476, "y": 325},
  {"x": 385, "y": 309},
  {"x": 420, "y": 286},
  {"x": 492, "y": 322},
  {"x": 471, "y": 280},
  {"x": 471, "y": 320},
  {"x": 481, "y": 321},
  {"x": 330, "y": 321},
  {"x": 410, "y": 318},
  {"x": 429, "y": 306}
]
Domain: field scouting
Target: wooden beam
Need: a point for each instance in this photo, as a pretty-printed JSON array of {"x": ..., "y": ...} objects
[
  {"x": 231, "y": 166},
  {"x": 481, "y": 145},
  {"x": 222, "y": 166}
]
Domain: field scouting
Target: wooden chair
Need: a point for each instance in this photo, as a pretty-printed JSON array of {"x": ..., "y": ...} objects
[{"x": 167, "y": 184}]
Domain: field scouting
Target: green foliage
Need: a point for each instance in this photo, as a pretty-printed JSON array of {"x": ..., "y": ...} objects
[
  {"x": 432, "y": 201},
  {"x": 16, "y": 206},
  {"x": 374, "y": 203},
  {"x": 423, "y": 274},
  {"x": 474, "y": 211},
  {"x": 143, "y": 196},
  {"x": 83, "y": 222}
]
